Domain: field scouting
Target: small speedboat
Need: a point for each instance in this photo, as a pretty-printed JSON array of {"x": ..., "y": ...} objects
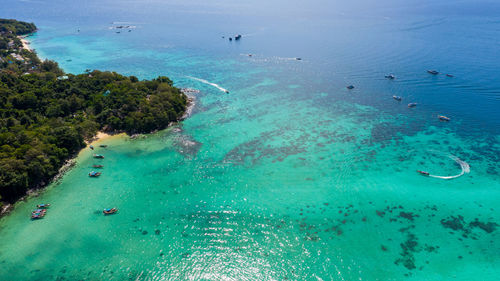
[
  {"x": 423, "y": 173},
  {"x": 94, "y": 174},
  {"x": 109, "y": 211},
  {"x": 390, "y": 76},
  {"x": 443, "y": 118},
  {"x": 413, "y": 104},
  {"x": 434, "y": 72},
  {"x": 42, "y": 206},
  {"x": 97, "y": 166},
  {"x": 398, "y": 98},
  {"x": 99, "y": 156},
  {"x": 350, "y": 87}
]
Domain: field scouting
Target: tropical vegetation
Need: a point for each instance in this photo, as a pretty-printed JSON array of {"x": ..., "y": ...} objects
[{"x": 46, "y": 115}]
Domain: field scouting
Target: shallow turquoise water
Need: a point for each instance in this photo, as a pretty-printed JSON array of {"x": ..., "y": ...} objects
[{"x": 290, "y": 176}]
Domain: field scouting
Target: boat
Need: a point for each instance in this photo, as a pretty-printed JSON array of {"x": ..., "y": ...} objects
[
  {"x": 91, "y": 147},
  {"x": 230, "y": 39},
  {"x": 298, "y": 58},
  {"x": 390, "y": 76},
  {"x": 449, "y": 75},
  {"x": 38, "y": 214},
  {"x": 237, "y": 37},
  {"x": 443, "y": 118},
  {"x": 42, "y": 206},
  {"x": 103, "y": 145},
  {"x": 94, "y": 174},
  {"x": 97, "y": 166},
  {"x": 434, "y": 72},
  {"x": 423, "y": 173},
  {"x": 413, "y": 104},
  {"x": 398, "y": 98},
  {"x": 99, "y": 156},
  {"x": 109, "y": 211},
  {"x": 350, "y": 87},
  {"x": 226, "y": 91}
]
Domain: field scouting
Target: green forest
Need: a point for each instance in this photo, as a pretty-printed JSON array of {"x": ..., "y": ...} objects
[{"x": 46, "y": 114}]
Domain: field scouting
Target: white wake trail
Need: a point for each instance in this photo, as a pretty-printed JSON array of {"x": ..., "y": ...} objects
[
  {"x": 208, "y": 83},
  {"x": 464, "y": 165}
]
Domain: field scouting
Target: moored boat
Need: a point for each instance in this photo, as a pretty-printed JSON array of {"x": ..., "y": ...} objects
[
  {"x": 42, "y": 206},
  {"x": 38, "y": 214},
  {"x": 94, "y": 174},
  {"x": 398, "y": 98},
  {"x": 350, "y": 87},
  {"x": 443, "y": 118},
  {"x": 103, "y": 145},
  {"x": 412, "y": 104},
  {"x": 99, "y": 156},
  {"x": 433, "y": 72},
  {"x": 449, "y": 75},
  {"x": 237, "y": 37},
  {"x": 109, "y": 211},
  {"x": 390, "y": 76}
]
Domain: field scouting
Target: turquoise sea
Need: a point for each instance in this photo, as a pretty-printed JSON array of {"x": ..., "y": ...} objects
[{"x": 290, "y": 176}]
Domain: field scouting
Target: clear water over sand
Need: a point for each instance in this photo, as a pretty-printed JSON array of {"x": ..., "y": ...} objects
[{"x": 290, "y": 175}]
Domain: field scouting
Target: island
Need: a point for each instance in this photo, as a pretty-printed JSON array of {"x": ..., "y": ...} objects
[{"x": 46, "y": 115}]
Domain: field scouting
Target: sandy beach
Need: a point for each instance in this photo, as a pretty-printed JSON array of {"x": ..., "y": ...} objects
[
  {"x": 101, "y": 136},
  {"x": 26, "y": 43}
]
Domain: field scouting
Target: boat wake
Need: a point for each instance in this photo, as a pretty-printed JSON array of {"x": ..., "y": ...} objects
[
  {"x": 208, "y": 83},
  {"x": 464, "y": 165}
]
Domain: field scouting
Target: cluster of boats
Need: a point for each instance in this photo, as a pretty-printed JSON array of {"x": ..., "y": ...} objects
[
  {"x": 236, "y": 37},
  {"x": 412, "y": 104},
  {"x": 95, "y": 174},
  {"x": 42, "y": 208},
  {"x": 40, "y": 211}
]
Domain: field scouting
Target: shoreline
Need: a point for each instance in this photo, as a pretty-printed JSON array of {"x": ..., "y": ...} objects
[
  {"x": 6, "y": 208},
  {"x": 26, "y": 43},
  {"x": 66, "y": 167},
  {"x": 69, "y": 164},
  {"x": 99, "y": 137}
]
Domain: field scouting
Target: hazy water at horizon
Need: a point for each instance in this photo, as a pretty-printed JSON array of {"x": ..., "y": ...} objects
[{"x": 291, "y": 175}]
